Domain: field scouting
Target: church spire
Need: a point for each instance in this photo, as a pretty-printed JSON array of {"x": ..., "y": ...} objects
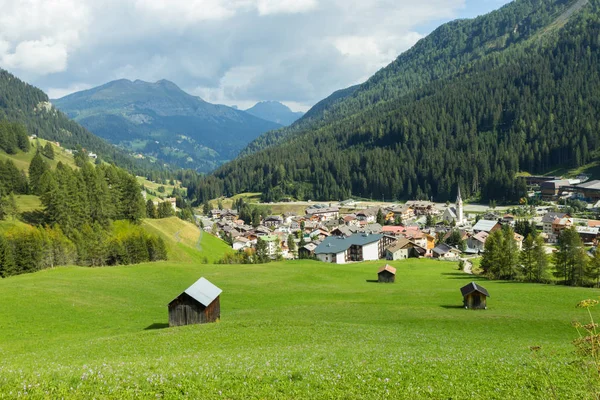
[{"x": 460, "y": 215}]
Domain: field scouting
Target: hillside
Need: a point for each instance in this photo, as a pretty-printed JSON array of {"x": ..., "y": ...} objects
[
  {"x": 159, "y": 120},
  {"x": 470, "y": 105},
  {"x": 185, "y": 242},
  {"x": 274, "y": 111},
  {"x": 21, "y": 102},
  {"x": 284, "y": 332}
]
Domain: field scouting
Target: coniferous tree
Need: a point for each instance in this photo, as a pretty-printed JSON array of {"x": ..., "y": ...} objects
[
  {"x": 151, "y": 209},
  {"x": 37, "y": 167},
  {"x": 292, "y": 245},
  {"x": 570, "y": 260},
  {"x": 541, "y": 259},
  {"x": 7, "y": 262},
  {"x": 48, "y": 151},
  {"x": 165, "y": 210}
]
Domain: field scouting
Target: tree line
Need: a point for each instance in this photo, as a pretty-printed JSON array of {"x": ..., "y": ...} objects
[
  {"x": 90, "y": 217},
  {"x": 570, "y": 265}
]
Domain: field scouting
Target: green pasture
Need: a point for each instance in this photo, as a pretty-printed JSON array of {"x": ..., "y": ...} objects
[{"x": 293, "y": 330}]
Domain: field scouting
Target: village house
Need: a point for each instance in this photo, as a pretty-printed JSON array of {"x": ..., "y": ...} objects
[
  {"x": 404, "y": 212},
  {"x": 241, "y": 242},
  {"x": 323, "y": 213},
  {"x": 484, "y": 225},
  {"x": 548, "y": 221},
  {"x": 421, "y": 208},
  {"x": 369, "y": 215},
  {"x": 272, "y": 242},
  {"x": 358, "y": 247},
  {"x": 476, "y": 243},
  {"x": 587, "y": 234},
  {"x": 446, "y": 252},
  {"x": 273, "y": 221},
  {"x": 403, "y": 249}
]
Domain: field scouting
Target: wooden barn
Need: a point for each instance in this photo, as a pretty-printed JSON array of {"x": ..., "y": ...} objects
[
  {"x": 386, "y": 274},
  {"x": 198, "y": 304},
  {"x": 474, "y": 296}
]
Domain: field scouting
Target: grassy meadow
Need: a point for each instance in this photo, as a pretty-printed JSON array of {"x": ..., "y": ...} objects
[{"x": 288, "y": 330}]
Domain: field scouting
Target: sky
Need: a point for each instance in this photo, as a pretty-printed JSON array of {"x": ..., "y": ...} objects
[{"x": 233, "y": 52}]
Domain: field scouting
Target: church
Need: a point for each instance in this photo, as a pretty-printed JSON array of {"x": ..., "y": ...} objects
[{"x": 455, "y": 214}]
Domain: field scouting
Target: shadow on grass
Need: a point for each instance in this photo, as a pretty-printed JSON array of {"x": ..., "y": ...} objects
[
  {"x": 372, "y": 281},
  {"x": 34, "y": 217},
  {"x": 156, "y": 325},
  {"x": 460, "y": 275},
  {"x": 452, "y": 307}
]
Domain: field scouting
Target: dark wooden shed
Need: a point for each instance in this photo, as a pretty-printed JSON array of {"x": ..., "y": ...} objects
[
  {"x": 386, "y": 274},
  {"x": 474, "y": 296},
  {"x": 198, "y": 304}
]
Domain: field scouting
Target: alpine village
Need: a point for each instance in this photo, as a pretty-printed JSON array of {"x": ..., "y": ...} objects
[{"x": 428, "y": 231}]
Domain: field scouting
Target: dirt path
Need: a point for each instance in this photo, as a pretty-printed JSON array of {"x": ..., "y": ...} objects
[{"x": 468, "y": 266}]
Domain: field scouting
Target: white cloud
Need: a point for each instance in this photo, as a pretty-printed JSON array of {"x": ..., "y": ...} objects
[
  {"x": 57, "y": 93},
  {"x": 227, "y": 51},
  {"x": 42, "y": 56},
  {"x": 267, "y": 7}
]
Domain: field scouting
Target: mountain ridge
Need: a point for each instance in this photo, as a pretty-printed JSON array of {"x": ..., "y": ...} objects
[
  {"x": 162, "y": 121},
  {"x": 274, "y": 111}
]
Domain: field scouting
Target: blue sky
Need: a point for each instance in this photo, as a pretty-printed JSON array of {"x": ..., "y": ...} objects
[{"x": 234, "y": 52}]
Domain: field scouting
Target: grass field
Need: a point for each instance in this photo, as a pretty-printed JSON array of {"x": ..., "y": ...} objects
[
  {"x": 292, "y": 330},
  {"x": 22, "y": 160},
  {"x": 185, "y": 242}
]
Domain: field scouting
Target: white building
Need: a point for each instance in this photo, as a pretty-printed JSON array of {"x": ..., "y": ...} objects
[{"x": 456, "y": 213}]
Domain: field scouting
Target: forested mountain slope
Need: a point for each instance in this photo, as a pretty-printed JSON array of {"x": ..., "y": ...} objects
[
  {"x": 162, "y": 121},
  {"x": 470, "y": 105},
  {"x": 21, "y": 102}
]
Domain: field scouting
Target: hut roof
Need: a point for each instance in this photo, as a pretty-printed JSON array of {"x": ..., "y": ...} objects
[
  {"x": 388, "y": 268},
  {"x": 203, "y": 292},
  {"x": 473, "y": 287}
]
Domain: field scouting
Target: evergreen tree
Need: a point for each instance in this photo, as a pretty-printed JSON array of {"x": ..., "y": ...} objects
[
  {"x": 291, "y": 245},
  {"x": 165, "y": 210},
  {"x": 570, "y": 260},
  {"x": 48, "y": 151},
  {"x": 380, "y": 217},
  {"x": 527, "y": 258},
  {"x": 37, "y": 167},
  {"x": 541, "y": 258},
  {"x": 7, "y": 262},
  {"x": 206, "y": 208},
  {"x": 151, "y": 209}
]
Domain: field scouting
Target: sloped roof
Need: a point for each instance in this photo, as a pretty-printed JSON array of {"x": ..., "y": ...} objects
[
  {"x": 485, "y": 225},
  {"x": 551, "y": 216},
  {"x": 338, "y": 244},
  {"x": 443, "y": 248},
  {"x": 473, "y": 287},
  {"x": 388, "y": 268},
  {"x": 203, "y": 291}
]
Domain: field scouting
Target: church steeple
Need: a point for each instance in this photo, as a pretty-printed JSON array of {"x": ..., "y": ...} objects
[{"x": 459, "y": 208}]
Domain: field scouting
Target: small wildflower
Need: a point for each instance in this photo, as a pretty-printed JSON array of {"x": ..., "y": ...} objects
[{"x": 589, "y": 303}]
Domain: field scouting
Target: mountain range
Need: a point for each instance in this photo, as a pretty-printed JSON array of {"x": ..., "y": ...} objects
[
  {"x": 274, "y": 111},
  {"x": 471, "y": 105},
  {"x": 161, "y": 121},
  {"x": 28, "y": 105}
]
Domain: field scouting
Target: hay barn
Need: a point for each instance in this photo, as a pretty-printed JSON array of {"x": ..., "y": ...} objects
[
  {"x": 198, "y": 304},
  {"x": 386, "y": 274},
  {"x": 474, "y": 296}
]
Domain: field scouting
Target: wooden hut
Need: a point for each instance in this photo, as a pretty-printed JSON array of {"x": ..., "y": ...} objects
[
  {"x": 386, "y": 274},
  {"x": 474, "y": 296},
  {"x": 198, "y": 304}
]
